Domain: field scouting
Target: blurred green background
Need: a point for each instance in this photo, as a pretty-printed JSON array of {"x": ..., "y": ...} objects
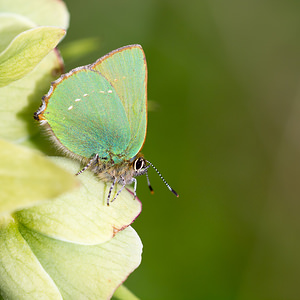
[{"x": 224, "y": 131}]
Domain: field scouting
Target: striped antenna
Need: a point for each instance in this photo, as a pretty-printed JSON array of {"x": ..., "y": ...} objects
[{"x": 168, "y": 186}]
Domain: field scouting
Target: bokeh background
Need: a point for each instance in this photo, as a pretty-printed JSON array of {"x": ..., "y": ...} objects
[{"x": 224, "y": 131}]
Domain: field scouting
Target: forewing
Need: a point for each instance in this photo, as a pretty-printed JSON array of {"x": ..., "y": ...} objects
[
  {"x": 86, "y": 115},
  {"x": 126, "y": 70}
]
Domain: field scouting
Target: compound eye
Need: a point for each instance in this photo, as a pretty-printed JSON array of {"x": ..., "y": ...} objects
[{"x": 139, "y": 164}]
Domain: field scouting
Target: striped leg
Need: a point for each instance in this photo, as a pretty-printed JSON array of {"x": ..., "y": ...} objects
[{"x": 93, "y": 160}]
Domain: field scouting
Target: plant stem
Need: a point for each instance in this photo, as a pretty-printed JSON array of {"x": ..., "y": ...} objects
[{"x": 123, "y": 293}]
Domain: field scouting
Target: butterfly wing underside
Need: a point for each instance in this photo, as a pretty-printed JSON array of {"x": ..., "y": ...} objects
[
  {"x": 126, "y": 70},
  {"x": 86, "y": 115}
]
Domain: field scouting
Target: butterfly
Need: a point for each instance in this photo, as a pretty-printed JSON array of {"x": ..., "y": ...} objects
[{"x": 98, "y": 115}]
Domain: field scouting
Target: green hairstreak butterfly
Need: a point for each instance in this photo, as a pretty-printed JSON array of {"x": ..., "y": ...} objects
[{"x": 98, "y": 115}]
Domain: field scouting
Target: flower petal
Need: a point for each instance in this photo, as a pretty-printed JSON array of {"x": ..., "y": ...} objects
[
  {"x": 21, "y": 274},
  {"x": 87, "y": 272},
  {"x": 82, "y": 216},
  {"x": 27, "y": 178}
]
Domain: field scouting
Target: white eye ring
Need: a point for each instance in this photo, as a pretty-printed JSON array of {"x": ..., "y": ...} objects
[{"x": 139, "y": 164}]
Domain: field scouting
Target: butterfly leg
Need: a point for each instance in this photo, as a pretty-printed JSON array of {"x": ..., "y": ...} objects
[
  {"x": 118, "y": 193},
  {"x": 110, "y": 190},
  {"x": 93, "y": 160},
  {"x": 134, "y": 188}
]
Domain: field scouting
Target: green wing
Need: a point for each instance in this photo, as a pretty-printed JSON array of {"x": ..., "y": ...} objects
[
  {"x": 126, "y": 70},
  {"x": 87, "y": 116}
]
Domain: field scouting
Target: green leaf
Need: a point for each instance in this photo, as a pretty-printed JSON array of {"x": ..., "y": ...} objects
[
  {"x": 11, "y": 26},
  {"x": 21, "y": 274},
  {"x": 26, "y": 51},
  {"x": 82, "y": 216},
  {"x": 41, "y": 12},
  {"x": 20, "y": 99},
  {"x": 87, "y": 272},
  {"x": 27, "y": 178}
]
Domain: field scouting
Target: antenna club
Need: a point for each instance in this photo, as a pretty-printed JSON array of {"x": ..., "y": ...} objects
[{"x": 174, "y": 193}]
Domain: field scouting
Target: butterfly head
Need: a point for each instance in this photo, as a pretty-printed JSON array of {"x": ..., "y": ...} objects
[{"x": 140, "y": 166}]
